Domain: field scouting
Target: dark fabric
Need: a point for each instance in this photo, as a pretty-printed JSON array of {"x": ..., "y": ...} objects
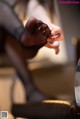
[
  {"x": 55, "y": 110},
  {"x": 2, "y": 39},
  {"x": 9, "y": 20}
]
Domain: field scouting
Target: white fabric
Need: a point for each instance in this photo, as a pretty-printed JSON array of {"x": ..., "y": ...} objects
[{"x": 36, "y": 10}]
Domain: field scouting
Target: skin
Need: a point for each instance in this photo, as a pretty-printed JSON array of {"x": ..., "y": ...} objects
[
  {"x": 38, "y": 34},
  {"x": 56, "y": 36}
]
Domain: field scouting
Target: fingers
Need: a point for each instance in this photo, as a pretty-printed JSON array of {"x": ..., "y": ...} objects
[
  {"x": 57, "y": 36},
  {"x": 57, "y": 50},
  {"x": 53, "y": 40},
  {"x": 55, "y": 46},
  {"x": 56, "y": 32},
  {"x": 52, "y": 45},
  {"x": 41, "y": 34}
]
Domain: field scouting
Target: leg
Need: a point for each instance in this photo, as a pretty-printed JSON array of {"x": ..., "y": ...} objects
[{"x": 14, "y": 52}]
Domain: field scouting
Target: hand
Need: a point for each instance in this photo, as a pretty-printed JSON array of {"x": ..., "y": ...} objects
[
  {"x": 55, "y": 37},
  {"x": 36, "y": 33}
]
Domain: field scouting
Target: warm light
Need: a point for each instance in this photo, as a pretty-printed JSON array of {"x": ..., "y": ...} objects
[
  {"x": 56, "y": 101},
  {"x": 24, "y": 22}
]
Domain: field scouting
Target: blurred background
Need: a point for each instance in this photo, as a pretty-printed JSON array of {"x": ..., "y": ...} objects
[{"x": 52, "y": 74}]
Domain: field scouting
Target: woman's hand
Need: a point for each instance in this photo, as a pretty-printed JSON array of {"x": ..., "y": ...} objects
[{"x": 55, "y": 37}]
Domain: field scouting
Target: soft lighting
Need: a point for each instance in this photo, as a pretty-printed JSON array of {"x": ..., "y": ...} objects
[{"x": 56, "y": 101}]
